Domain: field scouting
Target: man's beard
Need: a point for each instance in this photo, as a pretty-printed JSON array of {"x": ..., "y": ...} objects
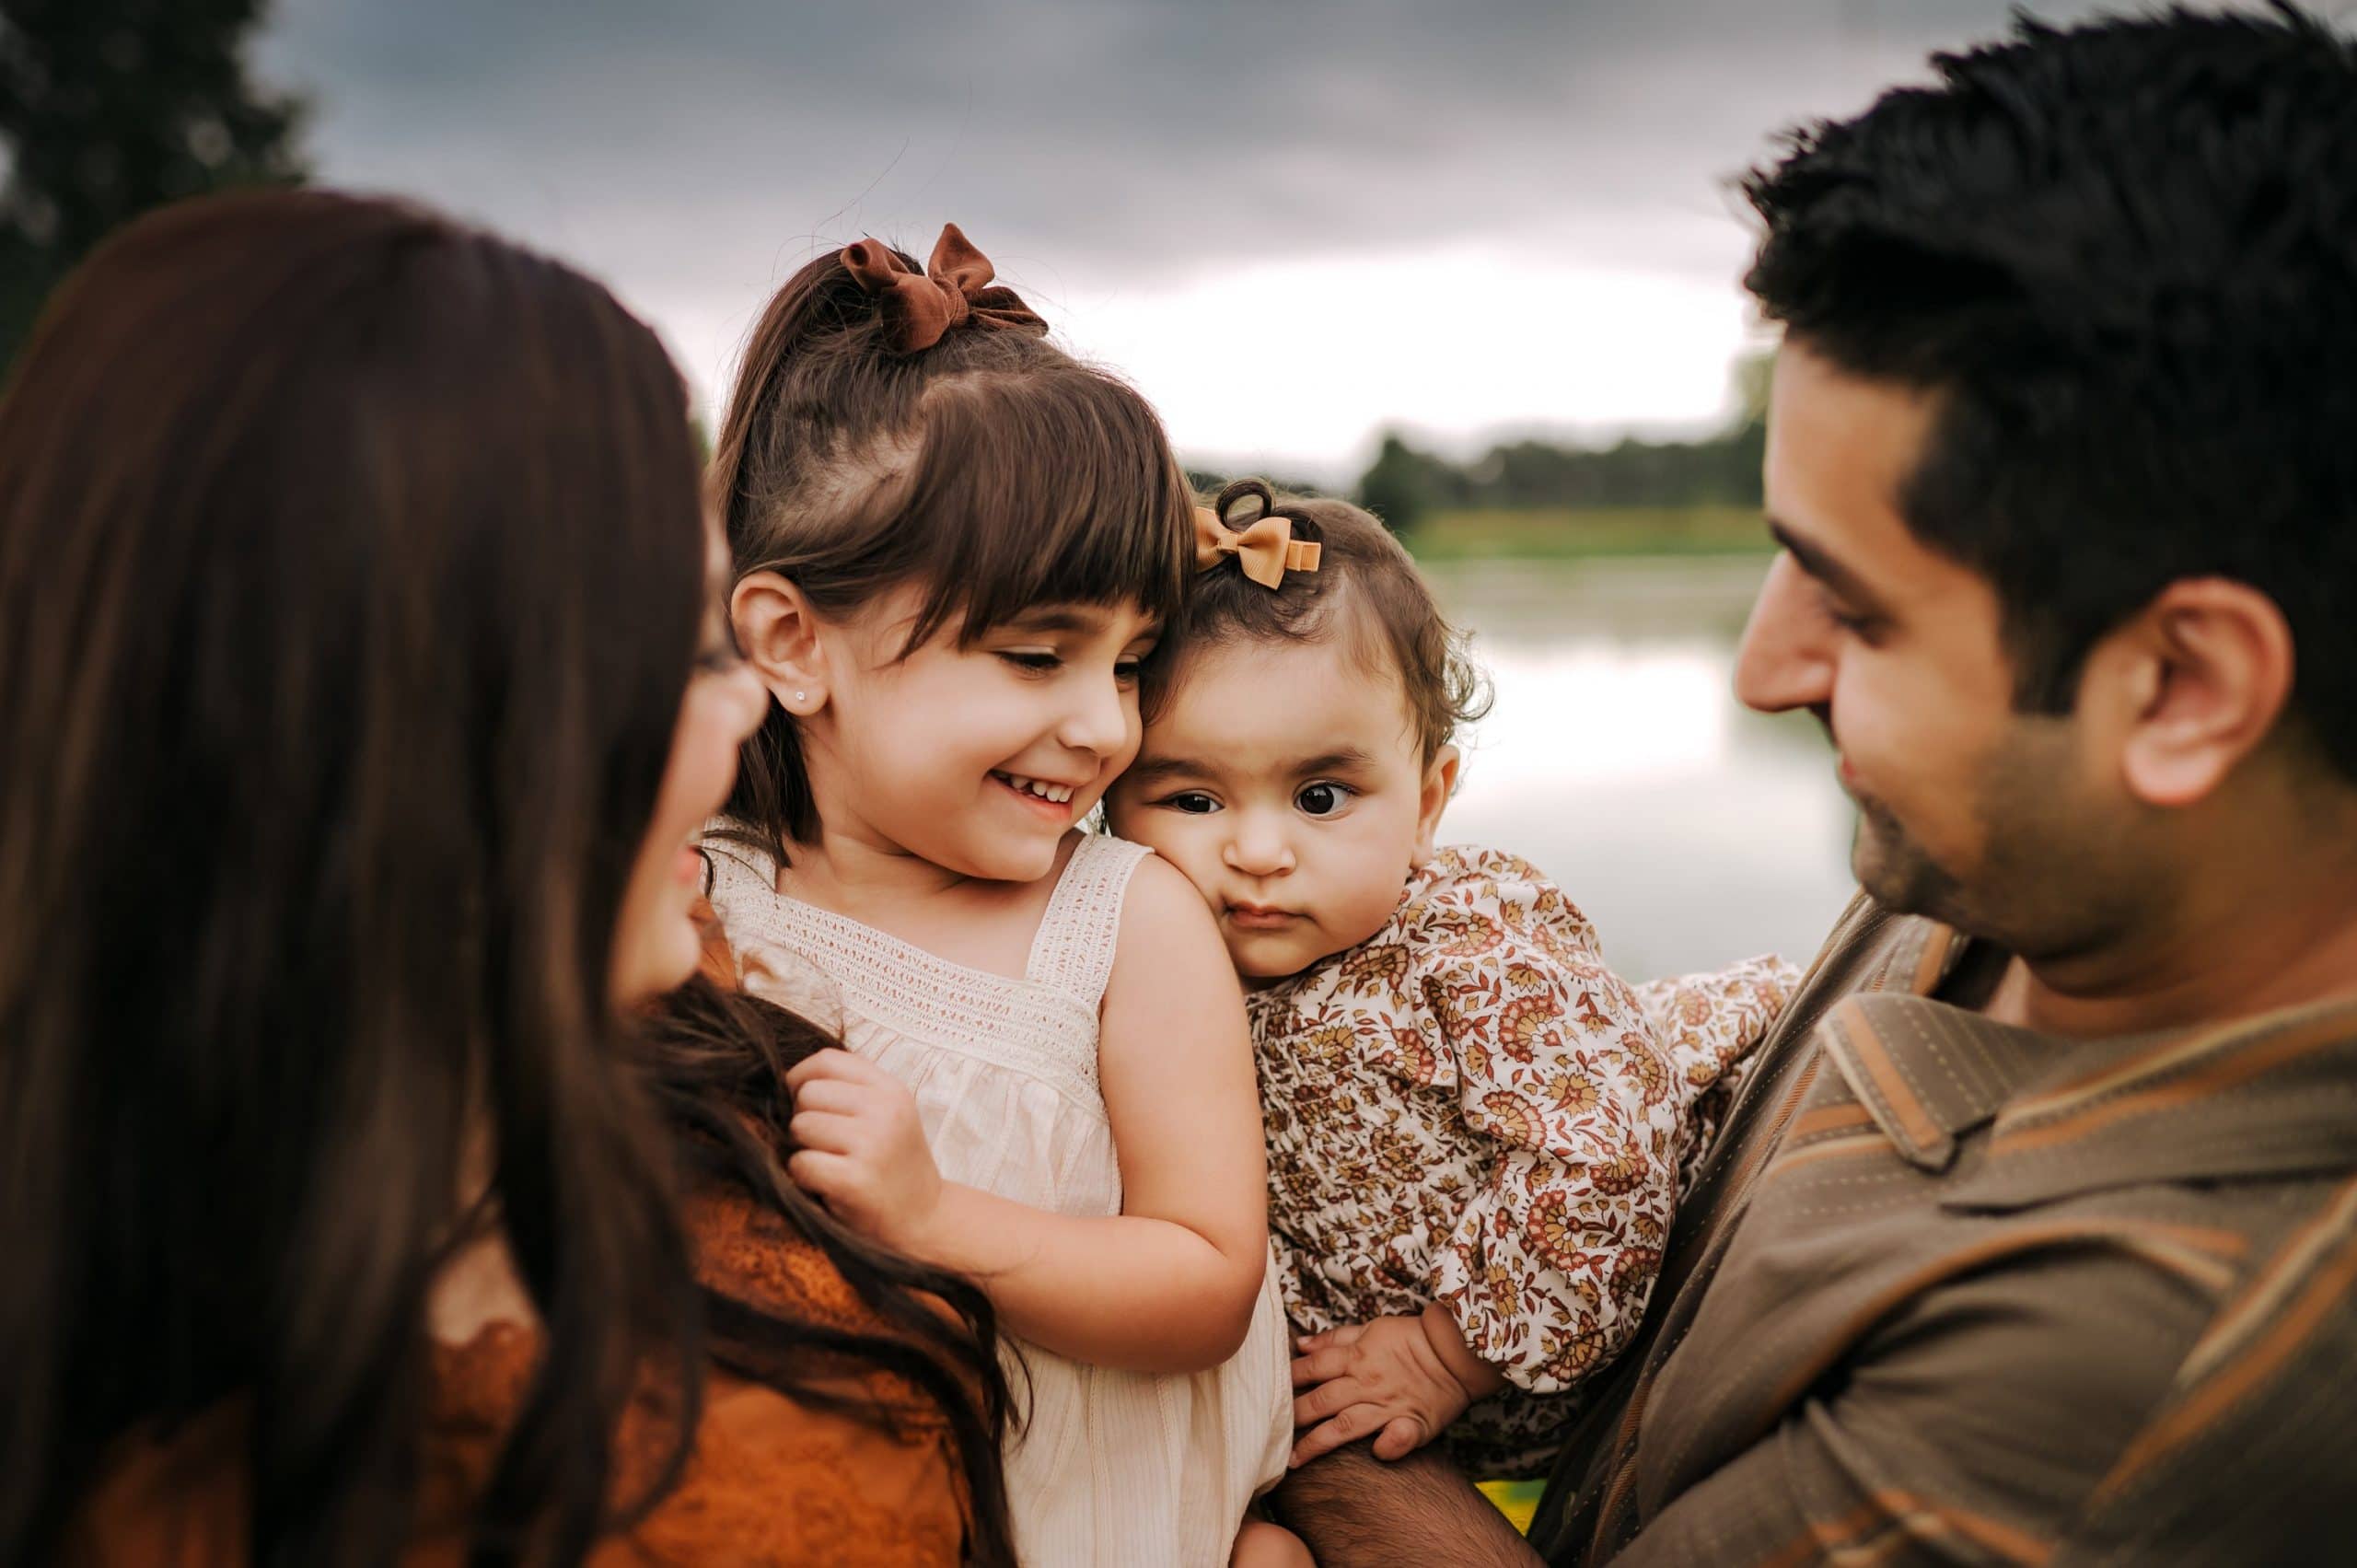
[
  {"x": 2056, "y": 871},
  {"x": 1898, "y": 872}
]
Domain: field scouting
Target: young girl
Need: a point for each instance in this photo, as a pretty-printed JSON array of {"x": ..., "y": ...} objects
[
  {"x": 955, "y": 550},
  {"x": 1475, "y": 1130}
]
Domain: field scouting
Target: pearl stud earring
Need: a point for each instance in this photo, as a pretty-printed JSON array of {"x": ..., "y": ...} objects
[{"x": 802, "y": 696}]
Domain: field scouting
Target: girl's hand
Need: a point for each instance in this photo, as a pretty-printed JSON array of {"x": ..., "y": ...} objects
[
  {"x": 1386, "y": 1378},
  {"x": 861, "y": 1149}
]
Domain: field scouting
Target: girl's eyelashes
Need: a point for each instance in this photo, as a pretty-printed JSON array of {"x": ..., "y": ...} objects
[
  {"x": 1127, "y": 669},
  {"x": 1322, "y": 799},
  {"x": 1033, "y": 663},
  {"x": 1193, "y": 802}
]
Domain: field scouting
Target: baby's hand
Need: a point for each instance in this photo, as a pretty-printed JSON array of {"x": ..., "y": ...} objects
[
  {"x": 1389, "y": 1379},
  {"x": 860, "y": 1150}
]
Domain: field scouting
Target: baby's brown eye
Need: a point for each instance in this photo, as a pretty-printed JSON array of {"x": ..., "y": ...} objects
[{"x": 1321, "y": 799}]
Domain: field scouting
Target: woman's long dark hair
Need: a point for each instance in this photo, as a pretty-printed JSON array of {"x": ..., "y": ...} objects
[
  {"x": 350, "y": 576},
  {"x": 718, "y": 1059},
  {"x": 351, "y": 568}
]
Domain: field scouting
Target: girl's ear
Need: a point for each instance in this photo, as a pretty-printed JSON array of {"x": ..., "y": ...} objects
[
  {"x": 779, "y": 635},
  {"x": 1440, "y": 782}
]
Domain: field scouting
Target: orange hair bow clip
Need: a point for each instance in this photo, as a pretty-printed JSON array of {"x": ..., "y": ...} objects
[
  {"x": 954, "y": 288},
  {"x": 1264, "y": 551}
]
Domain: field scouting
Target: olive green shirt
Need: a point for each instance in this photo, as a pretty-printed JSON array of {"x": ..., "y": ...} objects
[{"x": 1947, "y": 1291}]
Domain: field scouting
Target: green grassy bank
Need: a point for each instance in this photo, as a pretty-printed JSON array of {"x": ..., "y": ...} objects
[{"x": 1563, "y": 534}]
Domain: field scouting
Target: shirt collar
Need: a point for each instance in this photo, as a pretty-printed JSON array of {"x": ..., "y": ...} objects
[{"x": 2257, "y": 1096}]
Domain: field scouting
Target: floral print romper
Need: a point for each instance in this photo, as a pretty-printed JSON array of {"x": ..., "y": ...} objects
[{"x": 1469, "y": 1108}]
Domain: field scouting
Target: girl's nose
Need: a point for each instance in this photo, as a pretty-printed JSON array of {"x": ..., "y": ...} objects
[
  {"x": 1100, "y": 718},
  {"x": 1257, "y": 847},
  {"x": 1786, "y": 660}
]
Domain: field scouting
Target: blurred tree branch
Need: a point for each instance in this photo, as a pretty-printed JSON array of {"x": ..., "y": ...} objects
[{"x": 111, "y": 107}]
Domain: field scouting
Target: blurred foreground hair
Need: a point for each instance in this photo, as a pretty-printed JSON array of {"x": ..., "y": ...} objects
[
  {"x": 350, "y": 577},
  {"x": 351, "y": 573}
]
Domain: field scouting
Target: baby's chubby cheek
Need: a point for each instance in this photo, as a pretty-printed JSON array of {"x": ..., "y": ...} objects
[{"x": 1360, "y": 910}]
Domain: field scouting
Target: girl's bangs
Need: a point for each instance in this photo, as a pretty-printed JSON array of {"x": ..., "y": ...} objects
[{"x": 1052, "y": 487}]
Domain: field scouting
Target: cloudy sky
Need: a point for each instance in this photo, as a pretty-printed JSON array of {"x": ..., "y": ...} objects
[{"x": 1290, "y": 222}]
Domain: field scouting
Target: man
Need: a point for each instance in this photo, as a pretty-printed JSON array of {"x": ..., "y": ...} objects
[{"x": 2033, "y": 1237}]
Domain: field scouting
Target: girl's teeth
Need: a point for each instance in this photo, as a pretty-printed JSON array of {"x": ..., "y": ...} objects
[{"x": 1057, "y": 793}]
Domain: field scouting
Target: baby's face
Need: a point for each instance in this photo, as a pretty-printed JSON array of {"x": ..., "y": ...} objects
[{"x": 1287, "y": 783}]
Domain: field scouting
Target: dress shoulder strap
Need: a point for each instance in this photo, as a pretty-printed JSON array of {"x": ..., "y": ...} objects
[{"x": 1074, "y": 951}]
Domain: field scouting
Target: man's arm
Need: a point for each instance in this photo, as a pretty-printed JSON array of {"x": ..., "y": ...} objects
[{"x": 1353, "y": 1508}]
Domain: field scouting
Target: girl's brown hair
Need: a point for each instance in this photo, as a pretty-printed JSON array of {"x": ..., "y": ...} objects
[
  {"x": 1366, "y": 590},
  {"x": 351, "y": 575},
  {"x": 992, "y": 467}
]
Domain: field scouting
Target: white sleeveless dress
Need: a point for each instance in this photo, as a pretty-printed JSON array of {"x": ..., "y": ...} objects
[{"x": 1115, "y": 1468}]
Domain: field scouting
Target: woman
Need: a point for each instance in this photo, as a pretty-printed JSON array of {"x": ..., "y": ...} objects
[{"x": 361, "y": 690}]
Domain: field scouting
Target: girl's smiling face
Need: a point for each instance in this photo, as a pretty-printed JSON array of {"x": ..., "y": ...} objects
[
  {"x": 1288, "y": 782},
  {"x": 975, "y": 758}
]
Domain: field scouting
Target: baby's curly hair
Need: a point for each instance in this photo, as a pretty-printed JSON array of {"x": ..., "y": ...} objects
[{"x": 1365, "y": 587}]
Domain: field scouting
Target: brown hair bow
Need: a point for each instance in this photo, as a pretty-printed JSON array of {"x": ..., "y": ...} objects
[
  {"x": 1264, "y": 551},
  {"x": 954, "y": 288}
]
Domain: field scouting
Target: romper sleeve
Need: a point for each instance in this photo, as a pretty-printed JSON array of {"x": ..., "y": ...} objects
[
  {"x": 1711, "y": 1025},
  {"x": 1559, "y": 1074}
]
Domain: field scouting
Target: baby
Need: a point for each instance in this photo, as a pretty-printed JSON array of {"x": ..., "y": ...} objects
[{"x": 1475, "y": 1129}]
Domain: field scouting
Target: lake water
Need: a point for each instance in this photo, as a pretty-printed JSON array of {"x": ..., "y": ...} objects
[{"x": 1692, "y": 830}]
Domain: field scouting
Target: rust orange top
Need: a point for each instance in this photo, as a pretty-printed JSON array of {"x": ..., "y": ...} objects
[{"x": 771, "y": 1481}]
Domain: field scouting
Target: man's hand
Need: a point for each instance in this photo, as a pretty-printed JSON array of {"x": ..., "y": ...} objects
[
  {"x": 860, "y": 1150},
  {"x": 1400, "y": 1379}
]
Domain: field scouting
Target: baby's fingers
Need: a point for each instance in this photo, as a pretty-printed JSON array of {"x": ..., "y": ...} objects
[
  {"x": 1319, "y": 1365},
  {"x": 1344, "y": 1335},
  {"x": 1401, "y": 1436},
  {"x": 1347, "y": 1427},
  {"x": 1328, "y": 1398}
]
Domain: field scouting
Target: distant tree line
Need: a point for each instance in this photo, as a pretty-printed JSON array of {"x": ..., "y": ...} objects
[{"x": 1405, "y": 485}]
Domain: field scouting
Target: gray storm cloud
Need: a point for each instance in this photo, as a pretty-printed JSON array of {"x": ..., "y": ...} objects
[
  {"x": 694, "y": 153},
  {"x": 1148, "y": 136}
]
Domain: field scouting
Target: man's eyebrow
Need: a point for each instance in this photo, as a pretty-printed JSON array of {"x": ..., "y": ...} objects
[{"x": 1824, "y": 567}]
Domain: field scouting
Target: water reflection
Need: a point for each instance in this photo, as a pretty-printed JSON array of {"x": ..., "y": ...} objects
[{"x": 1692, "y": 830}]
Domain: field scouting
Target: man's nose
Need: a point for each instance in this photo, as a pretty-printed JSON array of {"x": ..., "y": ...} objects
[{"x": 1786, "y": 660}]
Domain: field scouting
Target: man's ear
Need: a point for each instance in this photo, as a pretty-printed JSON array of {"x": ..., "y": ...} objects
[
  {"x": 779, "y": 637},
  {"x": 1440, "y": 782},
  {"x": 2192, "y": 684}
]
